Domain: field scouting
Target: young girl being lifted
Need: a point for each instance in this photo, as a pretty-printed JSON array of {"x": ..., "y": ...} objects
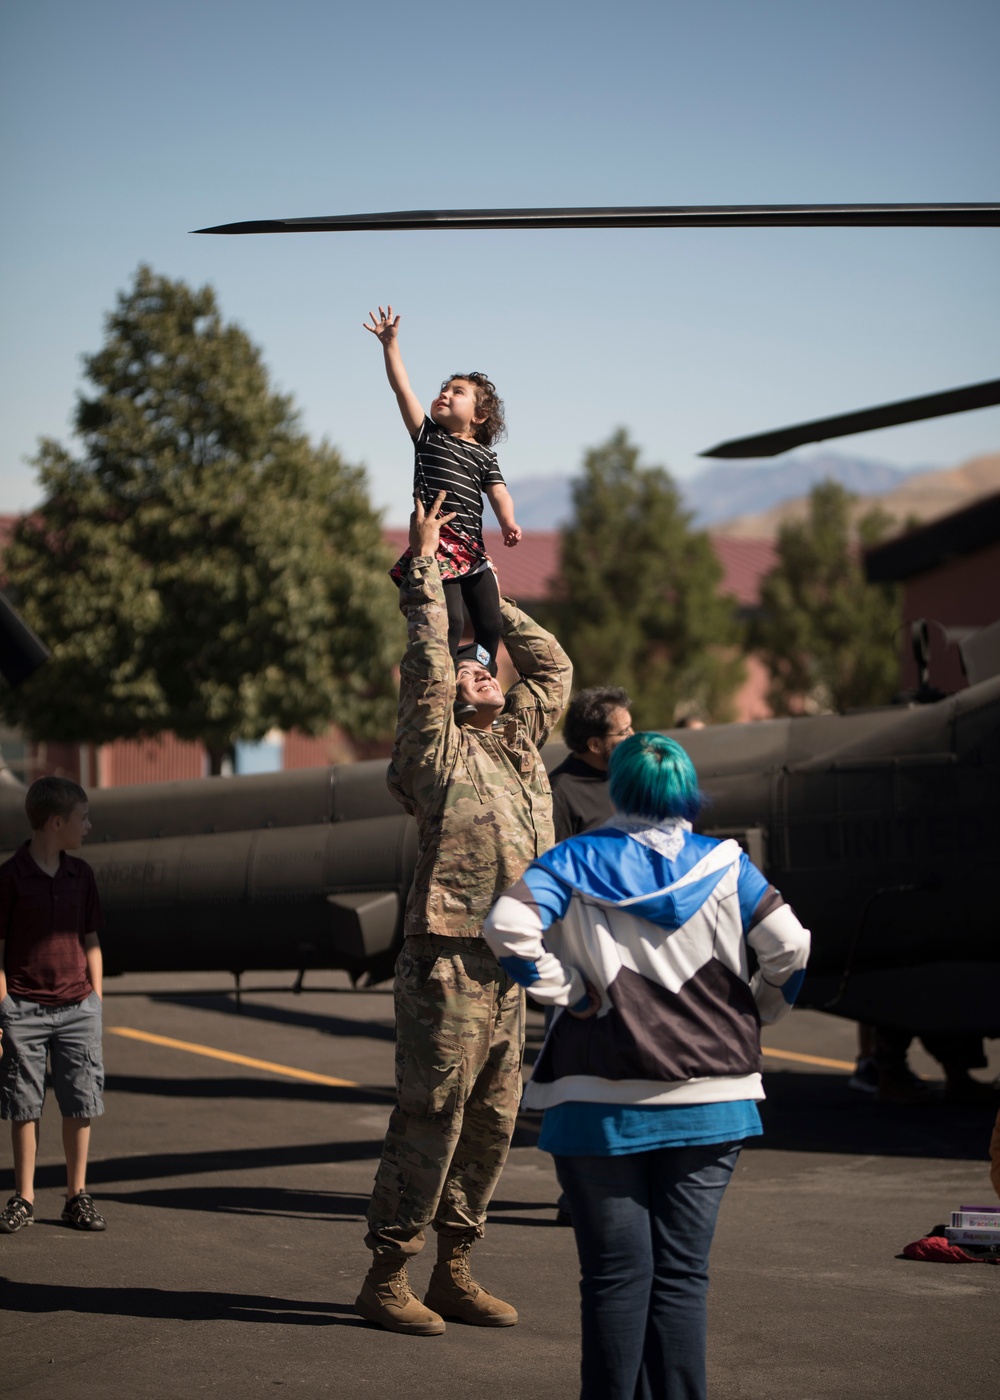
[{"x": 453, "y": 454}]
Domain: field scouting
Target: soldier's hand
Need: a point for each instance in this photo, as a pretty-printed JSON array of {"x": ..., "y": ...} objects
[{"x": 425, "y": 526}]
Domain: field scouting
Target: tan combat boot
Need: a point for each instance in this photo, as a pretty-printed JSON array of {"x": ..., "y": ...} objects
[
  {"x": 386, "y": 1298},
  {"x": 453, "y": 1292}
]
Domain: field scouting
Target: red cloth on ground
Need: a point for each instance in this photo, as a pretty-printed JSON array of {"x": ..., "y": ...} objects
[{"x": 936, "y": 1249}]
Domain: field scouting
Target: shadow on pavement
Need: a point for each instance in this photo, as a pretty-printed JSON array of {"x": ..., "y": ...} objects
[
  {"x": 345, "y": 1026},
  {"x": 274, "y": 1201},
  {"x": 812, "y": 1112},
  {"x": 290, "y": 1204},
  {"x": 189, "y": 1305},
  {"x": 282, "y": 1089},
  {"x": 818, "y": 1113},
  {"x": 526, "y": 1129},
  {"x": 169, "y": 1164},
  {"x": 543, "y": 1216}
]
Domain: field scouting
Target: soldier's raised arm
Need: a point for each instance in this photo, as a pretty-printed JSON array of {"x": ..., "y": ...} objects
[
  {"x": 426, "y": 672},
  {"x": 546, "y": 672}
]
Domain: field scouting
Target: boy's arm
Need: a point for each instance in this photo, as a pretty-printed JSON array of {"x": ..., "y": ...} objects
[
  {"x": 3, "y": 973},
  {"x": 386, "y": 331},
  {"x": 95, "y": 963},
  {"x": 503, "y": 508}
]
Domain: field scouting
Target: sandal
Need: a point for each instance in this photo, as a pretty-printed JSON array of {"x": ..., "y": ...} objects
[
  {"x": 16, "y": 1212},
  {"x": 82, "y": 1214}
]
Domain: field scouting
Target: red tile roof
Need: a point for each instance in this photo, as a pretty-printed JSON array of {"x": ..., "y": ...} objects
[
  {"x": 744, "y": 563},
  {"x": 527, "y": 570}
]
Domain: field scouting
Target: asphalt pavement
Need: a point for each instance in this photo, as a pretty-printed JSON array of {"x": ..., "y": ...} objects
[{"x": 235, "y": 1195}]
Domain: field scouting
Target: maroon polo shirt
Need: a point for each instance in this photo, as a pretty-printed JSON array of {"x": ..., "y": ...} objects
[{"x": 44, "y": 920}]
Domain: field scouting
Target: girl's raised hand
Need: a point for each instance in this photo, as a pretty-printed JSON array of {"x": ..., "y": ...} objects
[{"x": 384, "y": 327}]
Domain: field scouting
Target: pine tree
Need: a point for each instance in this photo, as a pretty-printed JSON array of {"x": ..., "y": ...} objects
[
  {"x": 640, "y": 604},
  {"x": 201, "y": 567},
  {"x": 825, "y": 633}
]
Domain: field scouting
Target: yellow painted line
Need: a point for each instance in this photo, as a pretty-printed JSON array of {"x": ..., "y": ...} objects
[
  {"x": 231, "y": 1058},
  {"x": 808, "y": 1059},
  {"x": 307, "y": 1074}
]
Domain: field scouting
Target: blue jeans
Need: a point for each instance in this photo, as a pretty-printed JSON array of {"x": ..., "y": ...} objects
[{"x": 644, "y": 1224}]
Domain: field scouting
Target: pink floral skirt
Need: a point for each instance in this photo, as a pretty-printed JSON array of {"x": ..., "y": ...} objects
[{"x": 457, "y": 556}]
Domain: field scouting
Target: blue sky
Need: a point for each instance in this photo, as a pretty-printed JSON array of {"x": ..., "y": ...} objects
[{"x": 126, "y": 126}]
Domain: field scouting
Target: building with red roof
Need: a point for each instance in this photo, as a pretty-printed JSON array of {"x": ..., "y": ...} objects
[
  {"x": 528, "y": 573},
  {"x": 949, "y": 570}
]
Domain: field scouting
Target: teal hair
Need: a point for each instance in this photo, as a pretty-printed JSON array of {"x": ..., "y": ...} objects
[{"x": 651, "y": 776}]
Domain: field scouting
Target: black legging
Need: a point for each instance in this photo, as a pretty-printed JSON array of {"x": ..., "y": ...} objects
[{"x": 481, "y": 596}]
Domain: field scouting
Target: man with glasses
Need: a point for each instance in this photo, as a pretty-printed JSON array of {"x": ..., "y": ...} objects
[{"x": 597, "y": 720}]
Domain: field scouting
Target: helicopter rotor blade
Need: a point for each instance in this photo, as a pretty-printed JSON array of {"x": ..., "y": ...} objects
[
  {"x": 700, "y": 216},
  {"x": 886, "y": 415},
  {"x": 21, "y": 650},
  {"x": 654, "y": 216}
]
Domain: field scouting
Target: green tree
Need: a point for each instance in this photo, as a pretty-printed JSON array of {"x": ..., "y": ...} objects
[
  {"x": 825, "y": 633},
  {"x": 201, "y": 567},
  {"x": 639, "y": 601}
]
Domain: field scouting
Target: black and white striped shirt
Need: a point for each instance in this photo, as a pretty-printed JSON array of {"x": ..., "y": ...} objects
[{"x": 461, "y": 469}]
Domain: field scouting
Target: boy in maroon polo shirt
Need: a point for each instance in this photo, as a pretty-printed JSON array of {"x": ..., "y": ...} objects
[{"x": 50, "y": 997}]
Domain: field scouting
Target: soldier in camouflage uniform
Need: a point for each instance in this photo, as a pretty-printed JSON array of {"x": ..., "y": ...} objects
[{"x": 481, "y": 798}]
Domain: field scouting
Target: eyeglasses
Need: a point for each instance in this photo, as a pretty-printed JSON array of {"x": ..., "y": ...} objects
[{"x": 620, "y": 733}]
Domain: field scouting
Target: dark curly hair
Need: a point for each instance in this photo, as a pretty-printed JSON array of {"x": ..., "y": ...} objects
[
  {"x": 589, "y": 712},
  {"x": 488, "y": 401}
]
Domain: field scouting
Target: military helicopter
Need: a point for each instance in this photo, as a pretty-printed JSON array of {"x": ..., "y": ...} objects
[{"x": 879, "y": 827}]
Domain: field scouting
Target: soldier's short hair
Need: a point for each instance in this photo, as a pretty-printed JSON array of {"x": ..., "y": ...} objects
[
  {"x": 52, "y": 797},
  {"x": 588, "y": 714}
]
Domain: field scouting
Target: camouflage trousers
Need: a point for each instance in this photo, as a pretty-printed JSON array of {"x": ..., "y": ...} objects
[{"x": 459, "y": 1042}]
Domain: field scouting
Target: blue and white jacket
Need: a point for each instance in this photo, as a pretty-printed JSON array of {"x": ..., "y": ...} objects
[{"x": 658, "y": 920}]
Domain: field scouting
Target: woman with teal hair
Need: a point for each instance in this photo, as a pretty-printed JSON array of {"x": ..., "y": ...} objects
[{"x": 639, "y": 932}]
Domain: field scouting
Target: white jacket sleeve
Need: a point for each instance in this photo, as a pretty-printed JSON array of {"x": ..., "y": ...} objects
[
  {"x": 513, "y": 930},
  {"x": 782, "y": 948}
]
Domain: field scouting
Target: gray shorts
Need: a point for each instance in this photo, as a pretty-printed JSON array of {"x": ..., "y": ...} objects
[{"x": 71, "y": 1035}]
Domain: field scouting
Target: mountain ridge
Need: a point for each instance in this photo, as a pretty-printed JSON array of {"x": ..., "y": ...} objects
[
  {"x": 725, "y": 492},
  {"x": 918, "y": 498}
]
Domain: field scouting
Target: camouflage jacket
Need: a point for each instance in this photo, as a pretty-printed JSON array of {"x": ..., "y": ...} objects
[{"x": 481, "y": 797}]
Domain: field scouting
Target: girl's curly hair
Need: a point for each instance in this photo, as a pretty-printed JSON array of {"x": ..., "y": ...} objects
[{"x": 492, "y": 429}]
